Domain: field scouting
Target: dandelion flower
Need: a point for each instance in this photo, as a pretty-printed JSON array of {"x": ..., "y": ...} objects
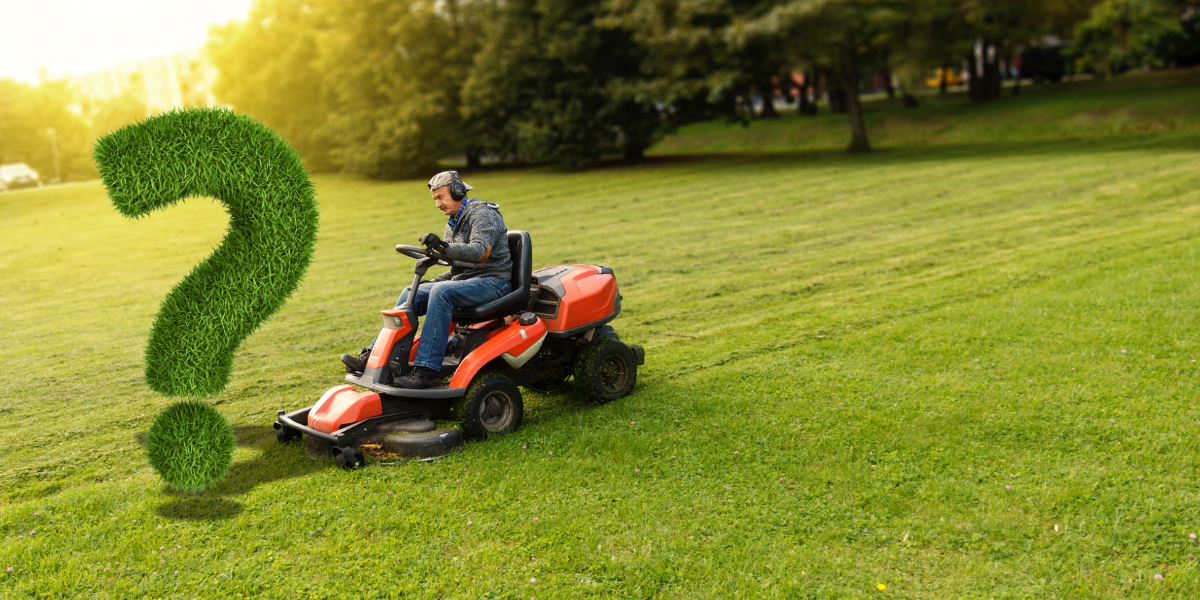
[{"x": 881, "y": 587}]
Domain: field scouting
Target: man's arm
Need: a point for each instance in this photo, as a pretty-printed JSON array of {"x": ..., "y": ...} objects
[{"x": 487, "y": 230}]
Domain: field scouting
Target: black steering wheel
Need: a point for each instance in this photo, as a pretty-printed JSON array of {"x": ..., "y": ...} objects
[{"x": 419, "y": 253}]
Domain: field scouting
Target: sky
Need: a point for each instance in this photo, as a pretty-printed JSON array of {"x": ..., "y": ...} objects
[{"x": 73, "y": 37}]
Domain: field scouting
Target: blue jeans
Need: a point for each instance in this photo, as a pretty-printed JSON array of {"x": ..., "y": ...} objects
[{"x": 436, "y": 301}]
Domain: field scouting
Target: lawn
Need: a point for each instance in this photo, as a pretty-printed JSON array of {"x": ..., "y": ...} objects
[{"x": 962, "y": 366}]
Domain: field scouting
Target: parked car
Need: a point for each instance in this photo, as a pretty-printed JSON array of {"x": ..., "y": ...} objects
[
  {"x": 953, "y": 78},
  {"x": 16, "y": 175}
]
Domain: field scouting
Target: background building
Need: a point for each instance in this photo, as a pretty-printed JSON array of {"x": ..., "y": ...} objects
[{"x": 180, "y": 80}]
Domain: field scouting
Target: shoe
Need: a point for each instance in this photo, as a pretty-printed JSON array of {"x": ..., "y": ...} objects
[
  {"x": 356, "y": 364},
  {"x": 419, "y": 378}
]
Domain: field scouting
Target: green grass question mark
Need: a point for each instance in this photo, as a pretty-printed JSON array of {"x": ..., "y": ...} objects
[{"x": 270, "y": 242}]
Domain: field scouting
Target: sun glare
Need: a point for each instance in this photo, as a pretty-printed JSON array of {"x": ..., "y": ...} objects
[{"x": 59, "y": 38}]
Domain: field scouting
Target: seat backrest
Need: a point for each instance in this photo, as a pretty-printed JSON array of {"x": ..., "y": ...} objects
[{"x": 520, "y": 249}]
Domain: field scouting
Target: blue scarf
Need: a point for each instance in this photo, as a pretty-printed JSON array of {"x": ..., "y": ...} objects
[{"x": 452, "y": 222}]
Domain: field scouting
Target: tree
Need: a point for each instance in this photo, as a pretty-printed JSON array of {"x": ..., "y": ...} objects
[
  {"x": 109, "y": 114},
  {"x": 27, "y": 113},
  {"x": 1127, "y": 33},
  {"x": 839, "y": 38},
  {"x": 551, "y": 86},
  {"x": 395, "y": 70},
  {"x": 268, "y": 68}
]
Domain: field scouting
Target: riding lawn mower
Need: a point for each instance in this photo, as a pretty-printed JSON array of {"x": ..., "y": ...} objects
[{"x": 551, "y": 327}]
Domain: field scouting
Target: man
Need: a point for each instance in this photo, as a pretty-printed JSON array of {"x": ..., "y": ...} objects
[{"x": 477, "y": 245}]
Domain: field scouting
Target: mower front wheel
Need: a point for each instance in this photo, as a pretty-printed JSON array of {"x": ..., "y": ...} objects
[
  {"x": 349, "y": 458},
  {"x": 491, "y": 406},
  {"x": 286, "y": 434},
  {"x": 606, "y": 370}
]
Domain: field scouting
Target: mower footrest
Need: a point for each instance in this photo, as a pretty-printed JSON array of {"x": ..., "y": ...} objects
[{"x": 440, "y": 392}]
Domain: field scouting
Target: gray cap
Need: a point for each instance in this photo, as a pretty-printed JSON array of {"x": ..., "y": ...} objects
[{"x": 444, "y": 178}]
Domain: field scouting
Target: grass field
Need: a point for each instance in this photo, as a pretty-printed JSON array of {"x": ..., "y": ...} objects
[{"x": 963, "y": 366}]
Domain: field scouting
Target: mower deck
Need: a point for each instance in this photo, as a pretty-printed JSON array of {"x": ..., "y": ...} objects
[{"x": 396, "y": 410}]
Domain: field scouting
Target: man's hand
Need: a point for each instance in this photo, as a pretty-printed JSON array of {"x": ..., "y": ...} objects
[{"x": 433, "y": 242}]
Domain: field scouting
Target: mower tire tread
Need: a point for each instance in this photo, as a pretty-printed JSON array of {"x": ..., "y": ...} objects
[
  {"x": 491, "y": 406},
  {"x": 605, "y": 370}
]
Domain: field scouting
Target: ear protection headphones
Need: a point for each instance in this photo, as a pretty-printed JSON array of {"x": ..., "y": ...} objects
[{"x": 458, "y": 191}]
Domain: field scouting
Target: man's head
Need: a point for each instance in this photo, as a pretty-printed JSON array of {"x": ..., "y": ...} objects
[{"x": 448, "y": 191}]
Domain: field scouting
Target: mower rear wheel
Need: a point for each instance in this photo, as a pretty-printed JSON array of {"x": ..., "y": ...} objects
[
  {"x": 605, "y": 370},
  {"x": 491, "y": 406}
]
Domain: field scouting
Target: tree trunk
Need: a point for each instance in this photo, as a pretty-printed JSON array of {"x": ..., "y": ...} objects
[
  {"x": 886, "y": 74},
  {"x": 634, "y": 150},
  {"x": 984, "y": 83},
  {"x": 943, "y": 76},
  {"x": 849, "y": 64},
  {"x": 808, "y": 107},
  {"x": 835, "y": 89},
  {"x": 768, "y": 100},
  {"x": 473, "y": 159}
]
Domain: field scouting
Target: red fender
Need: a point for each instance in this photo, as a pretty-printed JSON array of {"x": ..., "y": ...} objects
[
  {"x": 519, "y": 342},
  {"x": 341, "y": 406}
]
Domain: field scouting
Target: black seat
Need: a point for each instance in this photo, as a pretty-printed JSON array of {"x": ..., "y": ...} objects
[{"x": 521, "y": 251}]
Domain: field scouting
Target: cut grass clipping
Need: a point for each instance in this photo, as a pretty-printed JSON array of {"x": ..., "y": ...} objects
[
  {"x": 272, "y": 233},
  {"x": 190, "y": 445}
]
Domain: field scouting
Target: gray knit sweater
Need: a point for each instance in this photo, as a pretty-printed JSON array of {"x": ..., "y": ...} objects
[{"x": 478, "y": 245}]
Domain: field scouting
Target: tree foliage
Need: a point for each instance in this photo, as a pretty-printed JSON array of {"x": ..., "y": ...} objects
[
  {"x": 551, "y": 86},
  {"x": 28, "y": 113},
  {"x": 1128, "y": 33},
  {"x": 267, "y": 67}
]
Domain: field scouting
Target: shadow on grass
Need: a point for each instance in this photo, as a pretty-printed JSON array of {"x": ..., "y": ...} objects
[
  {"x": 1181, "y": 142},
  {"x": 913, "y": 153},
  {"x": 276, "y": 462}
]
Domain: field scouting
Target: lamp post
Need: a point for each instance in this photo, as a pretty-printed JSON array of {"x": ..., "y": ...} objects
[{"x": 54, "y": 149}]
